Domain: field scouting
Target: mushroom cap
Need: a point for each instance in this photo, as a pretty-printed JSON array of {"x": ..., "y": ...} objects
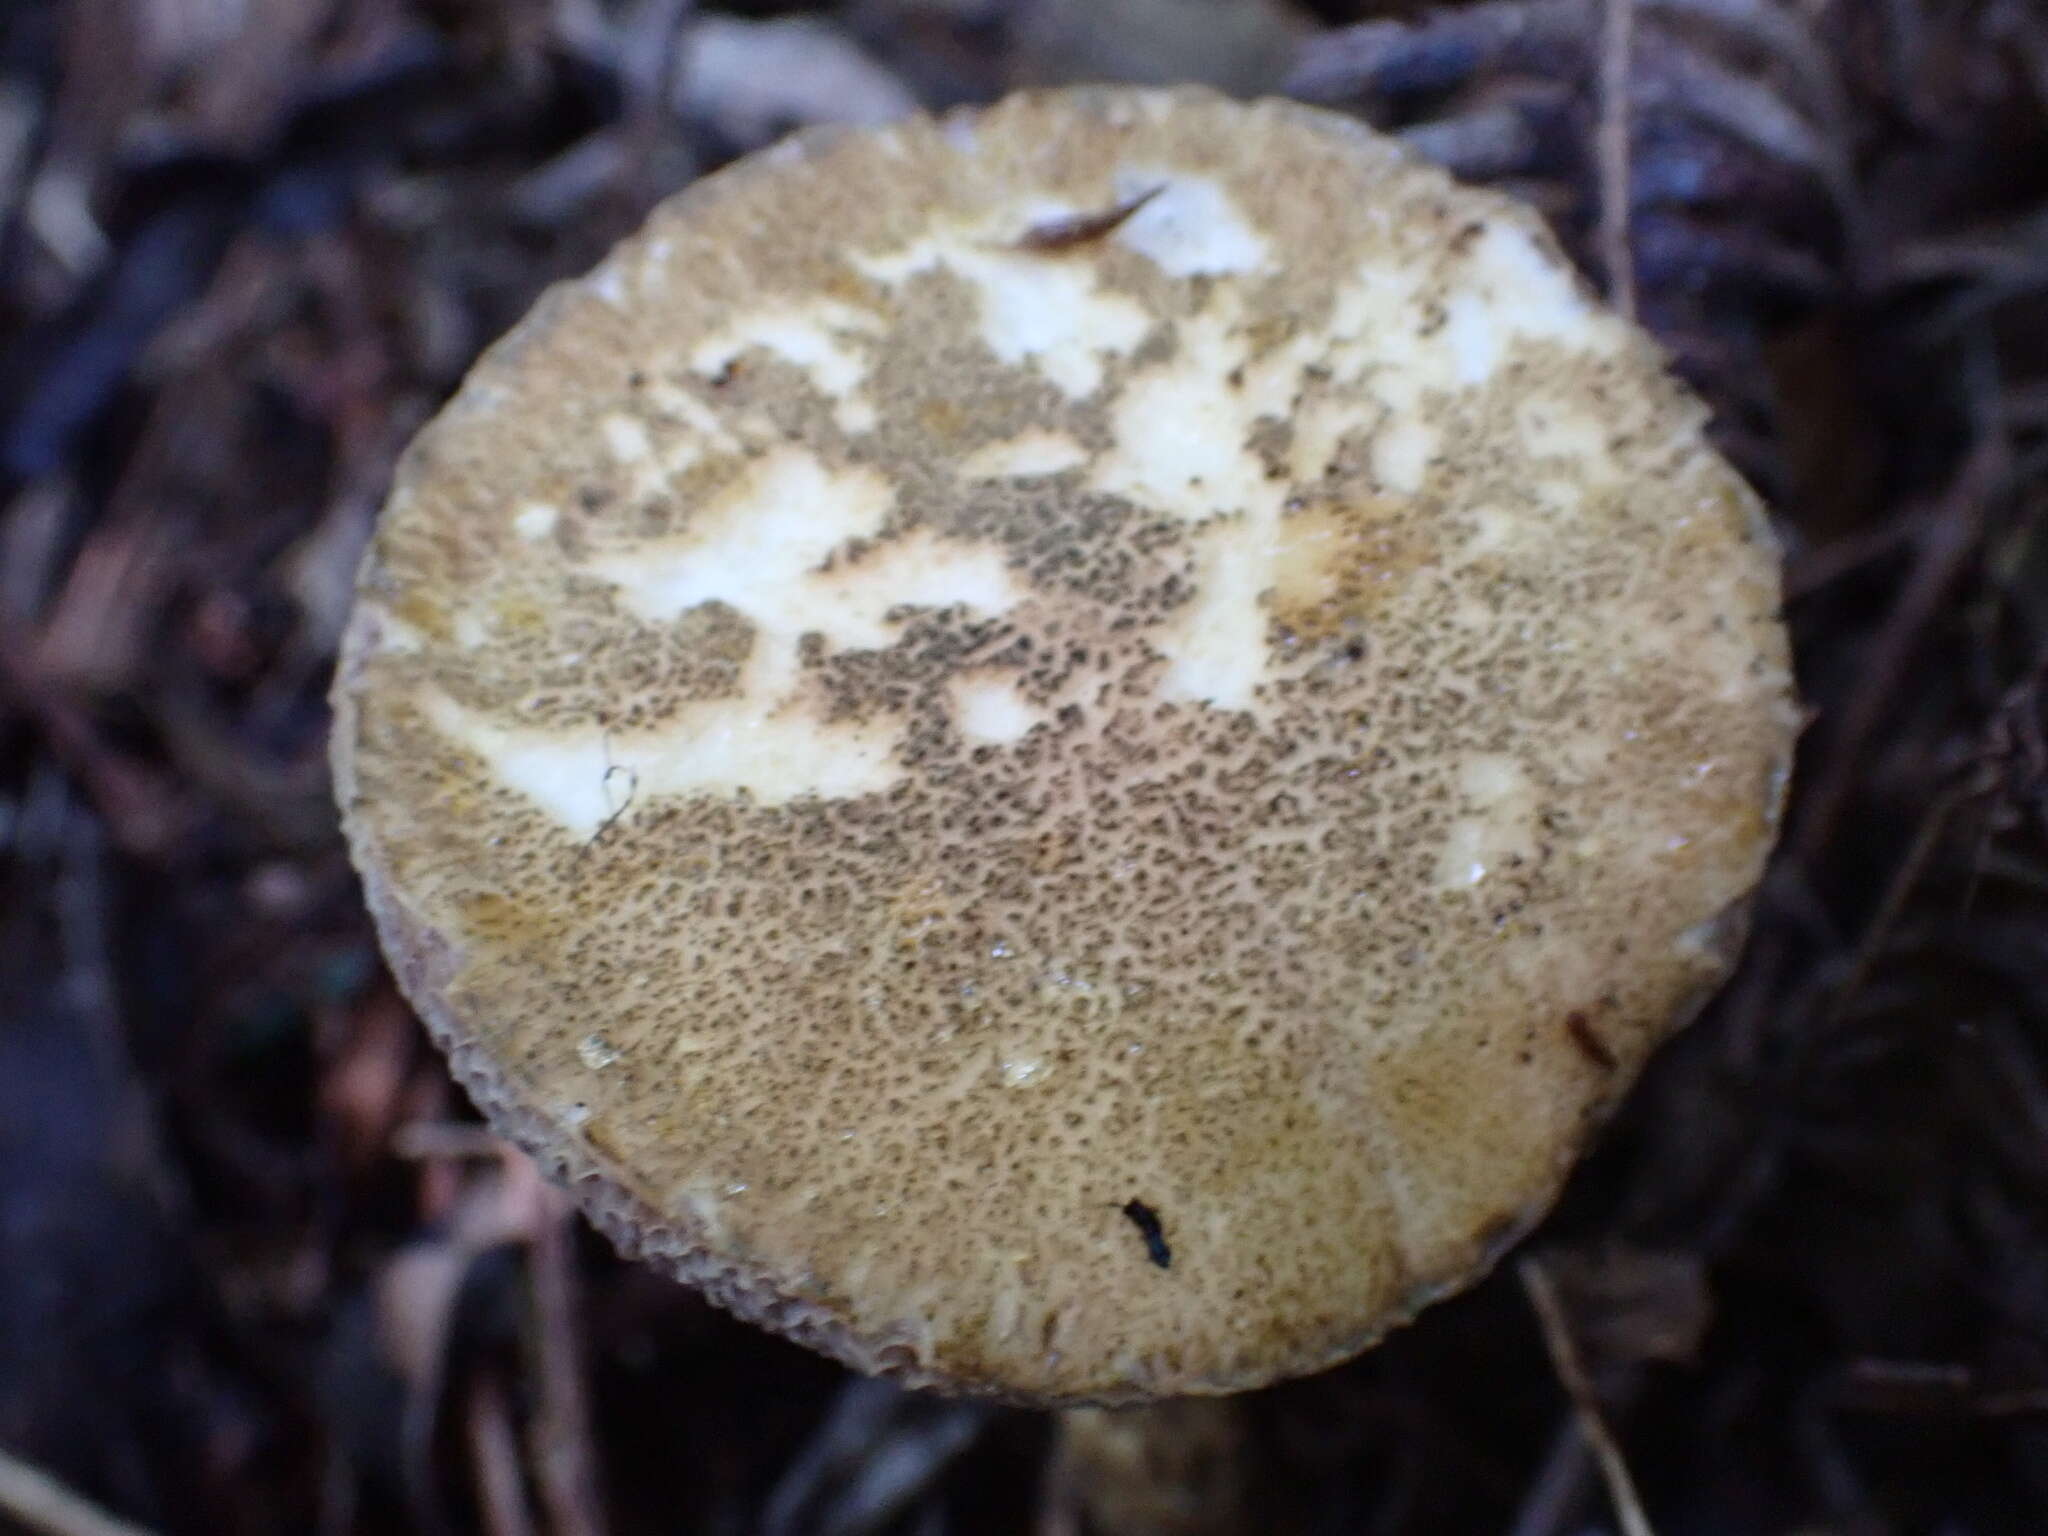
[{"x": 1066, "y": 751}]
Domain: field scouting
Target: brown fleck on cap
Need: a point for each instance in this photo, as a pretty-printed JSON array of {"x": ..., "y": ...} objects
[{"x": 1066, "y": 751}]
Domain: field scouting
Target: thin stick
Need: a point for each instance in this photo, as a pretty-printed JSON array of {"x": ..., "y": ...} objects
[
  {"x": 659, "y": 33},
  {"x": 565, "y": 1462},
  {"x": 1548, "y": 1505},
  {"x": 500, "y": 1485},
  {"x": 1617, "y": 41},
  {"x": 427, "y": 1141},
  {"x": 35, "y": 1500},
  {"x": 672, "y": 28},
  {"x": 1571, "y": 1373},
  {"x": 1926, "y": 841},
  {"x": 1951, "y": 529}
]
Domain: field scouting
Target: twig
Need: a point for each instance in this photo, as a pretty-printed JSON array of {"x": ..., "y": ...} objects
[
  {"x": 1547, "y": 1506},
  {"x": 670, "y": 23},
  {"x": 878, "y": 1450},
  {"x": 34, "y": 1499},
  {"x": 901, "y": 1471},
  {"x": 1813, "y": 569},
  {"x": 1951, "y": 531},
  {"x": 564, "y": 1461},
  {"x": 1904, "y": 880},
  {"x": 26, "y": 128},
  {"x": 1571, "y": 1373},
  {"x": 140, "y": 809},
  {"x": 1919, "y": 1387},
  {"x": 431, "y": 1140},
  {"x": 1991, "y": 776},
  {"x": 861, "y": 1417},
  {"x": 1617, "y": 42},
  {"x": 1782, "y": 34},
  {"x": 500, "y": 1485},
  {"x": 659, "y": 34}
]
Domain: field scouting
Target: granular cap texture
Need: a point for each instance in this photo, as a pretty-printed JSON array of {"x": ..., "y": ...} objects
[{"x": 1066, "y": 751}]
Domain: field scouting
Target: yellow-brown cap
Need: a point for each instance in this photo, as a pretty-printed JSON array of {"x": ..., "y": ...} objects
[{"x": 1065, "y": 751}]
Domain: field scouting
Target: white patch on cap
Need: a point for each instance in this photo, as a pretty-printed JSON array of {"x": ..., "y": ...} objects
[
  {"x": 787, "y": 549},
  {"x": 396, "y": 637},
  {"x": 685, "y": 450},
  {"x": 1182, "y": 428},
  {"x": 563, "y": 773},
  {"x": 1320, "y": 427},
  {"x": 632, "y": 447},
  {"x": 1180, "y": 446},
  {"x": 1496, "y": 822},
  {"x": 1027, "y": 456},
  {"x": 627, "y": 439},
  {"x": 1532, "y": 293},
  {"x": 796, "y": 547},
  {"x": 535, "y": 520},
  {"x": 1376, "y": 323},
  {"x": 1401, "y": 452},
  {"x": 816, "y": 337},
  {"x": 1416, "y": 329},
  {"x": 773, "y": 548},
  {"x": 1190, "y": 226},
  {"x": 1495, "y": 529},
  {"x": 779, "y": 521},
  {"x": 988, "y": 711},
  {"x": 586, "y": 776},
  {"x": 608, "y": 282},
  {"x": 1386, "y": 342},
  {"x": 1033, "y": 308},
  {"x": 691, "y": 412}
]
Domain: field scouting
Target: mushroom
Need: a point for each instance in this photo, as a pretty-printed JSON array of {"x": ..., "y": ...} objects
[{"x": 1066, "y": 751}]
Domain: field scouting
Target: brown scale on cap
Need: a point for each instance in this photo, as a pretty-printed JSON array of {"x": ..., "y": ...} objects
[{"x": 1034, "y": 810}]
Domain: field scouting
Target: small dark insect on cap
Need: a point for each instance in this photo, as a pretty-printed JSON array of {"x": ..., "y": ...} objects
[{"x": 1146, "y": 1220}]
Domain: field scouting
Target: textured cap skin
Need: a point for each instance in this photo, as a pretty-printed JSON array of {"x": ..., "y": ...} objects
[{"x": 1066, "y": 752}]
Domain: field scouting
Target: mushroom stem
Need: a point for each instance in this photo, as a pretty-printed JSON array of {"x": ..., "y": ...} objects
[{"x": 1171, "y": 1468}]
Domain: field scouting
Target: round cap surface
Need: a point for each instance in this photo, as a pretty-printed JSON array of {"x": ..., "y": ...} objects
[{"x": 1066, "y": 751}]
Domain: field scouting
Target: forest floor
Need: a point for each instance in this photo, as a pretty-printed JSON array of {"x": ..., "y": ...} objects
[{"x": 260, "y": 1269}]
